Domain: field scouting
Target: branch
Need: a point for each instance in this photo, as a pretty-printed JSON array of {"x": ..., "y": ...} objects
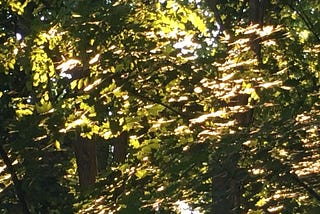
[
  {"x": 160, "y": 103},
  {"x": 212, "y": 4},
  {"x": 15, "y": 180},
  {"x": 309, "y": 189},
  {"x": 306, "y": 20}
]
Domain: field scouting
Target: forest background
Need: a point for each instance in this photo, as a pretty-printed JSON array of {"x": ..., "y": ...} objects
[{"x": 133, "y": 106}]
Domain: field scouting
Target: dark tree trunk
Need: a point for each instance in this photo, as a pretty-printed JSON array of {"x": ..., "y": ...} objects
[
  {"x": 103, "y": 154},
  {"x": 256, "y": 10},
  {"x": 120, "y": 144},
  {"x": 244, "y": 118},
  {"x": 86, "y": 156},
  {"x": 227, "y": 185}
]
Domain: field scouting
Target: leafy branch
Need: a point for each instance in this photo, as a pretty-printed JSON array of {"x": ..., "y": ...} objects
[
  {"x": 306, "y": 20},
  {"x": 139, "y": 95},
  {"x": 16, "y": 181},
  {"x": 213, "y": 7},
  {"x": 307, "y": 187}
]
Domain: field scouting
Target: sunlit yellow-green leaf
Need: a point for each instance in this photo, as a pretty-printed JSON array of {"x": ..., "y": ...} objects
[
  {"x": 117, "y": 92},
  {"x": 134, "y": 143},
  {"x": 261, "y": 202},
  {"x": 43, "y": 78},
  {"x": 57, "y": 145},
  {"x": 155, "y": 109},
  {"x": 36, "y": 76},
  {"x": 254, "y": 96},
  {"x": 43, "y": 108},
  {"x": 74, "y": 84},
  {"x": 11, "y": 63},
  {"x": 95, "y": 129},
  {"x": 80, "y": 83},
  {"x": 140, "y": 173},
  {"x": 197, "y": 22},
  {"x": 18, "y": 7},
  {"x": 304, "y": 35},
  {"x": 24, "y": 109}
]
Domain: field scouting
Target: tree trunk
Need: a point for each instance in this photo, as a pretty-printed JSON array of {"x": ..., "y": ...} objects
[
  {"x": 86, "y": 157},
  {"x": 226, "y": 183},
  {"x": 120, "y": 144},
  {"x": 103, "y": 154},
  {"x": 256, "y": 16},
  {"x": 256, "y": 10}
]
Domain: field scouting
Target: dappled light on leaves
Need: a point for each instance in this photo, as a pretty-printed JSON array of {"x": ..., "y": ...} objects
[{"x": 159, "y": 107}]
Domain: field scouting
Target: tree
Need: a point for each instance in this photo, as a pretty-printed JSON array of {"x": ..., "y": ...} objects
[{"x": 134, "y": 106}]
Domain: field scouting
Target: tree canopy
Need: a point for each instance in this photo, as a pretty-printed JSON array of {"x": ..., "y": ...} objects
[{"x": 123, "y": 106}]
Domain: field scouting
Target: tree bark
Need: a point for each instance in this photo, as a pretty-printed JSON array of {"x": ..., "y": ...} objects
[
  {"x": 256, "y": 10},
  {"x": 245, "y": 118},
  {"x": 86, "y": 157},
  {"x": 120, "y": 144},
  {"x": 226, "y": 183},
  {"x": 256, "y": 16},
  {"x": 103, "y": 154}
]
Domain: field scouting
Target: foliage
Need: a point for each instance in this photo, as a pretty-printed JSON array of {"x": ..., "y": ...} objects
[{"x": 183, "y": 79}]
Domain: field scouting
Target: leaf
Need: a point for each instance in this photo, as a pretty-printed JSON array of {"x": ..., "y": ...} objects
[
  {"x": 140, "y": 173},
  {"x": 74, "y": 84},
  {"x": 57, "y": 145},
  {"x": 43, "y": 107},
  {"x": 155, "y": 109},
  {"x": 197, "y": 22},
  {"x": 134, "y": 143},
  {"x": 117, "y": 92},
  {"x": 11, "y": 64}
]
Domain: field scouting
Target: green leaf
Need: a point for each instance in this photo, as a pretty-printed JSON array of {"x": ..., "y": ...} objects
[{"x": 140, "y": 173}]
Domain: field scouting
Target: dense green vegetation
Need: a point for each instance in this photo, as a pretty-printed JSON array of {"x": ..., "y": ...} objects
[{"x": 144, "y": 106}]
